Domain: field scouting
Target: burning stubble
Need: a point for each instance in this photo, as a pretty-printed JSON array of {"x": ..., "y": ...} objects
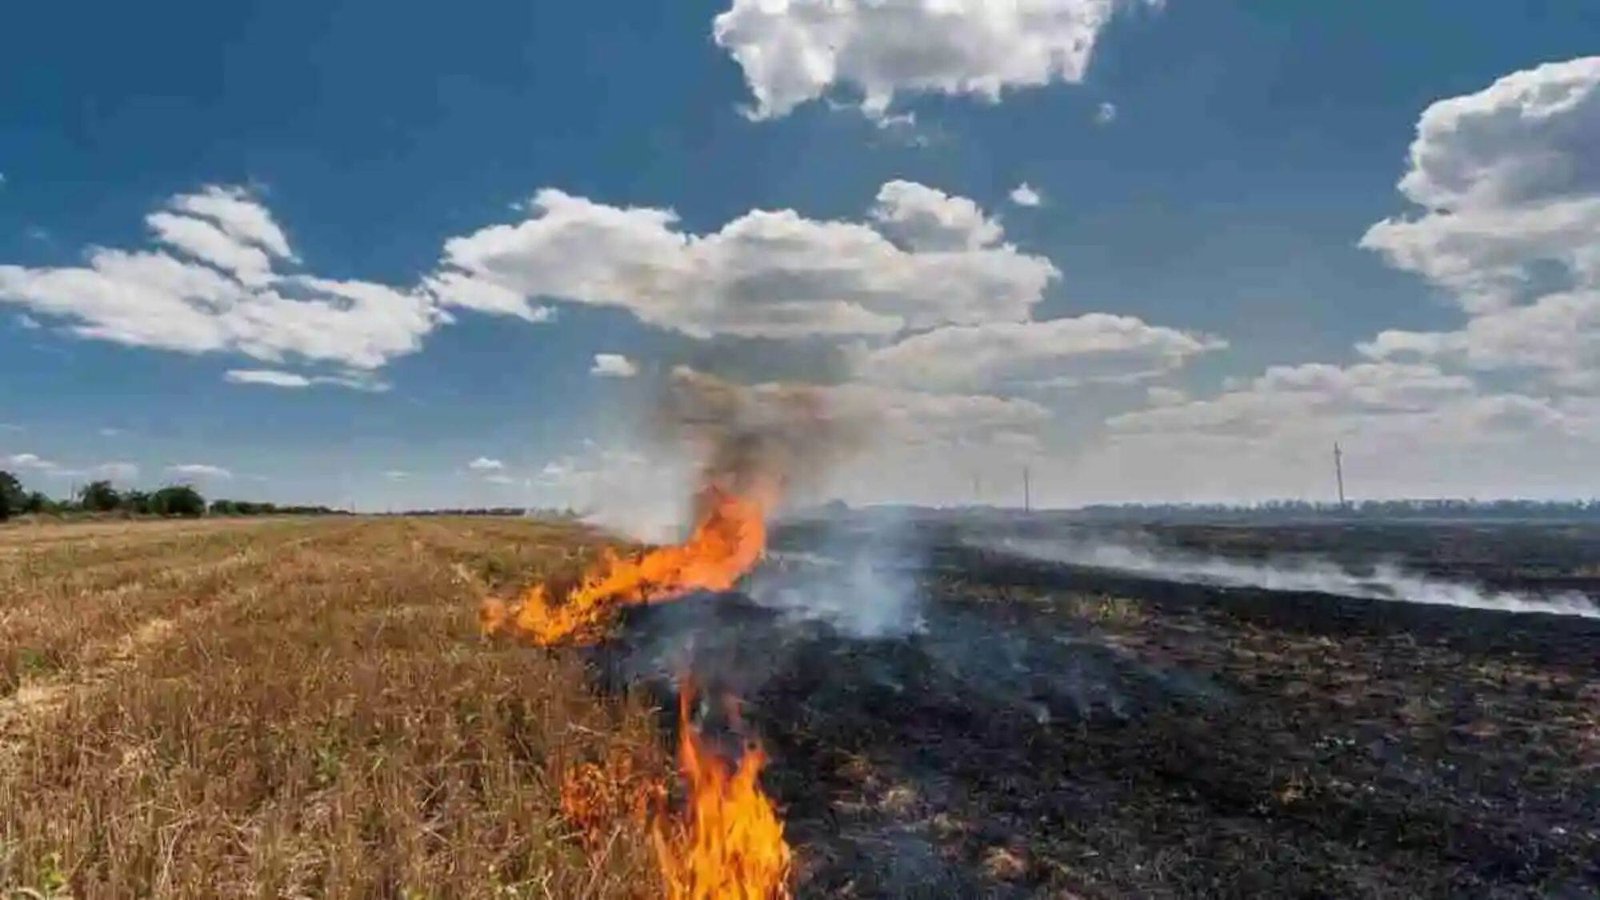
[
  {"x": 727, "y": 541},
  {"x": 729, "y": 841},
  {"x": 755, "y": 444}
]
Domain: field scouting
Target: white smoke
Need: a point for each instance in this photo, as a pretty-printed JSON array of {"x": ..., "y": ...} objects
[
  {"x": 860, "y": 597},
  {"x": 1385, "y": 581},
  {"x": 706, "y": 432},
  {"x": 859, "y": 582}
]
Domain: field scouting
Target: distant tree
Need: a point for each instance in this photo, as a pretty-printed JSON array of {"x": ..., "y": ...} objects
[
  {"x": 226, "y": 507},
  {"x": 136, "y": 502},
  {"x": 99, "y": 496},
  {"x": 178, "y": 500},
  {"x": 37, "y": 502},
  {"x": 10, "y": 495}
]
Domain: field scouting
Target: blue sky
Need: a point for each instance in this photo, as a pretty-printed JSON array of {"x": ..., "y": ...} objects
[{"x": 1207, "y": 175}]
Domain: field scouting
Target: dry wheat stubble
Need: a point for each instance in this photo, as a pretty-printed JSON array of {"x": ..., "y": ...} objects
[{"x": 309, "y": 712}]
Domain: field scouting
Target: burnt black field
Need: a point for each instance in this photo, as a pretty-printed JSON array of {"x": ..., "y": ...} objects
[{"x": 1032, "y": 728}]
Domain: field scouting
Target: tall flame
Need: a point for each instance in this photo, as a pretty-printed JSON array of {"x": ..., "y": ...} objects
[
  {"x": 729, "y": 844},
  {"x": 729, "y": 538}
]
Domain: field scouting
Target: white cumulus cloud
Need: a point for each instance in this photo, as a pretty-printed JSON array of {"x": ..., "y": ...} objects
[
  {"x": 769, "y": 274},
  {"x": 355, "y": 380},
  {"x": 116, "y": 471},
  {"x": 927, "y": 219},
  {"x": 214, "y": 283},
  {"x": 485, "y": 464},
  {"x": 1289, "y": 396},
  {"x": 1557, "y": 335},
  {"x": 917, "y": 417},
  {"x": 794, "y": 51},
  {"x": 1026, "y": 195},
  {"x": 1407, "y": 430},
  {"x": 1506, "y": 185},
  {"x": 29, "y": 461},
  {"x": 32, "y": 462},
  {"x": 236, "y": 212},
  {"x": 1097, "y": 347},
  {"x": 270, "y": 377},
  {"x": 613, "y": 365},
  {"x": 200, "y": 470},
  {"x": 1509, "y": 180},
  {"x": 208, "y": 243}
]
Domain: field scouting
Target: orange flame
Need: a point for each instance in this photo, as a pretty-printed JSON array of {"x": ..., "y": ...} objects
[
  {"x": 728, "y": 540},
  {"x": 598, "y": 797},
  {"x": 729, "y": 844}
]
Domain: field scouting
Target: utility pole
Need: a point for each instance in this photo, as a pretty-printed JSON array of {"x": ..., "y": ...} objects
[
  {"x": 1027, "y": 491},
  {"x": 977, "y": 488},
  {"x": 1338, "y": 472}
]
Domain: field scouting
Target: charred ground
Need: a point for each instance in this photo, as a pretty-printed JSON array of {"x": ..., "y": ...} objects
[{"x": 1049, "y": 730}]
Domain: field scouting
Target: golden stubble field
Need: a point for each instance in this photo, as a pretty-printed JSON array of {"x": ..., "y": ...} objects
[{"x": 294, "y": 708}]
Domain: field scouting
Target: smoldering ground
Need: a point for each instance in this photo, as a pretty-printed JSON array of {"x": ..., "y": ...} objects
[
  {"x": 1377, "y": 579},
  {"x": 879, "y": 708},
  {"x": 909, "y": 714},
  {"x": 1003, "y": 727}
]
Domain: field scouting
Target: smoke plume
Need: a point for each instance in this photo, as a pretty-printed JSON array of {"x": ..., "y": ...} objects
[
  {"x": 781, "y": 440},
  {"x": 859, "y": 581},
  {"x": 770, "y": 438},
  {"x": 1385, "y": 580}
]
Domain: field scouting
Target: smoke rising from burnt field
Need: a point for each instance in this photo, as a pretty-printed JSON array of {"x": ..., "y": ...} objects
[
  {"x": 929, "y": 709},
  {"x": 1381, "y": 580}
]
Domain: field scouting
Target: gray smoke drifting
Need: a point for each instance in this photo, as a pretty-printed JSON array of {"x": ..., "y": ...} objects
[
  {"x": 769, "y": 437},
  {"x": 858, "y": 582},
  {"x": 775, "y": 443},
  {"x": 707, "y": 434},
  {"x": 1385, "y": 581},
  {"x": 863, "y": 598}
]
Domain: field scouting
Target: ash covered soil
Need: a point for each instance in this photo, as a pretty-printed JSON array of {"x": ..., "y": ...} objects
[{"x": 1011, "y": 727}]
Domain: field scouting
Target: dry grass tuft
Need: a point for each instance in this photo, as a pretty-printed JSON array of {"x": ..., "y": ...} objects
[
  {"x": 299, "y": 709},
  {"x": 1109, "y": 611}
]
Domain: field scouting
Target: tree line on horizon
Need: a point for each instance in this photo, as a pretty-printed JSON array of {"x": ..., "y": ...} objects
[
  {"x": 184, "y": 501},
  {"x": 1420, "y": 508},
  {"x": 490, "y": 511},
  {"x": 103, "y": 497},
  {"x": 1268, "y": 511}
]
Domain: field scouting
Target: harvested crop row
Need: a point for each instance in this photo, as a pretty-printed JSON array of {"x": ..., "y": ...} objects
[{"x": 328, "y": 723}]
